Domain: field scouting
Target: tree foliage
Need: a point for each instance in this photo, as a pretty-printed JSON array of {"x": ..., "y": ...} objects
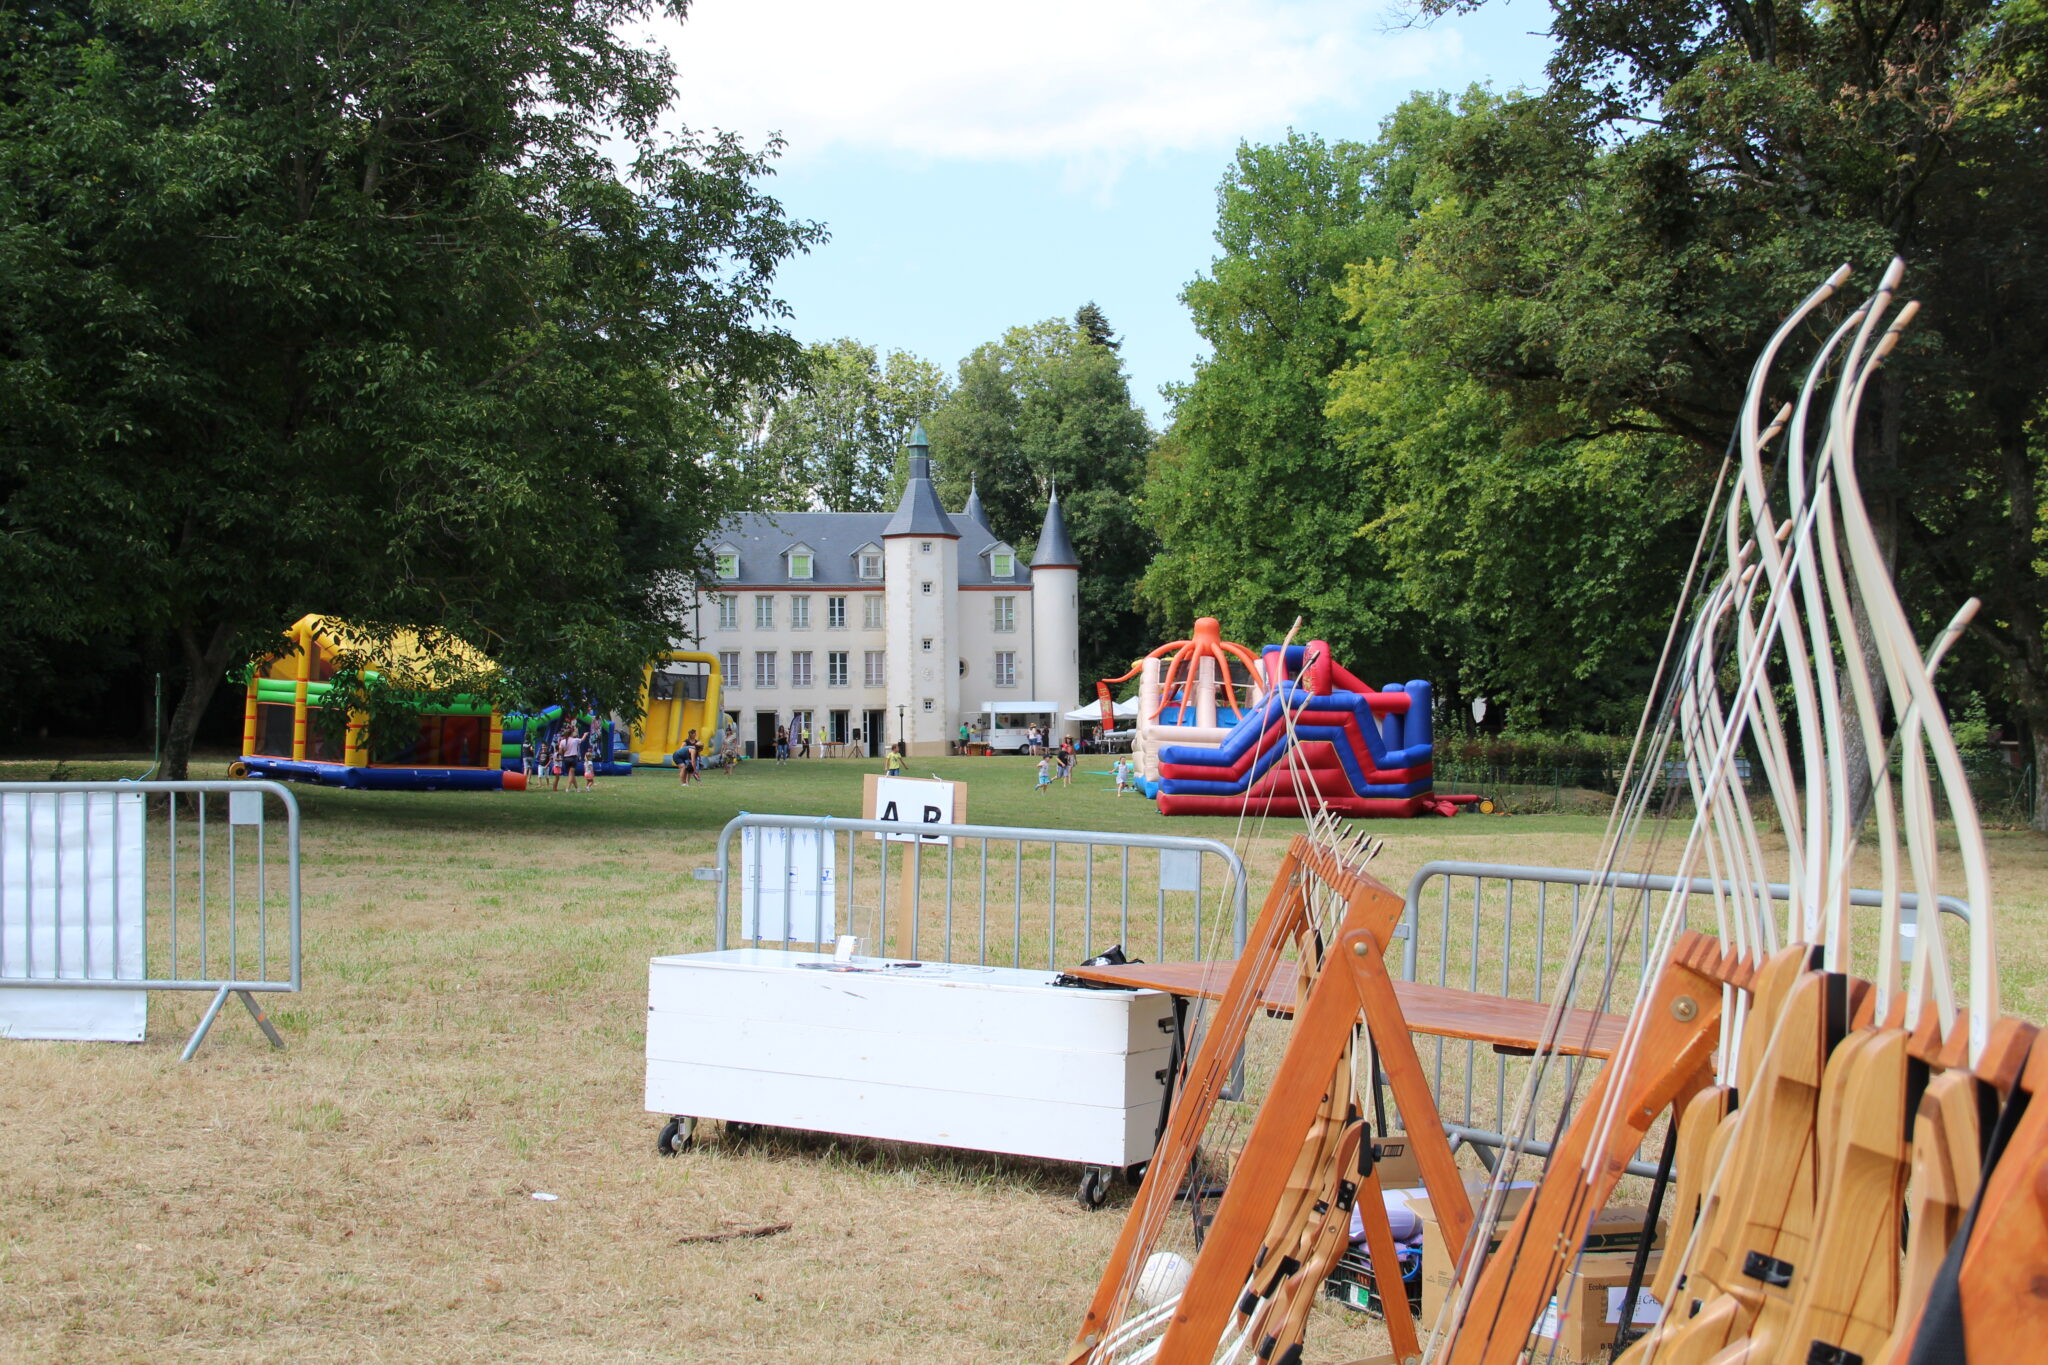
[
  {"x": 1049, "y": 407},
  {"x": 399, "y": 310},
  {"x": 1260, "y": 510},
  {"x": 830, "y": 441},
  {"x": 1623, "y": 243}
]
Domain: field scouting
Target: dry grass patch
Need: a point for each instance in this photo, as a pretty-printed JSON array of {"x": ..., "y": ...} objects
[{"x": 471, "y": 1033}]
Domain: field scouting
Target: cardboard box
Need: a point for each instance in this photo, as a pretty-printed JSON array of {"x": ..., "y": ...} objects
[
  {"x": 1585, "y": 1314},
  {"x": 1617, "y": 1228}
]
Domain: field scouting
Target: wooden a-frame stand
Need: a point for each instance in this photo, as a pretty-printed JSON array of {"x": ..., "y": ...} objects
[{"x": 1306, "y": 1132}]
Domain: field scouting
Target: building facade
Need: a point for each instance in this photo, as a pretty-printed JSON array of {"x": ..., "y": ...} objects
[{"x": 870, "y": 627}]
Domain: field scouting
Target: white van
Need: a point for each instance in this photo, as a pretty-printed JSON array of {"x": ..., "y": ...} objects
[{"x": 1006, "y": 725}]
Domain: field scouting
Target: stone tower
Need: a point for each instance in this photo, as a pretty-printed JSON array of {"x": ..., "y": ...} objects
[
  {"x": 921, "y": 577},
  {"x": 1056, "y": 615}
]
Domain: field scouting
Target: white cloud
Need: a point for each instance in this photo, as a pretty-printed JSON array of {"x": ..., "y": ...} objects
[{"x": 1088, "y": 81}]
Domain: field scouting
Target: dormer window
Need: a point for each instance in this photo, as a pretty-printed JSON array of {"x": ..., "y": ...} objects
[
  {"x": 1002, "y": 564},
  {"x": 727, "y": 561},
  {"x": 802, "y": 563},
  {"x": 870, "y": 562}
]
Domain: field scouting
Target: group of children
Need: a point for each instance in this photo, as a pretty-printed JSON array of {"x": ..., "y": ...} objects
[
  {"x": 570, "y": 752},
  {"x": 690, "y": 760},
  {"x": 1060, "y": 763}
]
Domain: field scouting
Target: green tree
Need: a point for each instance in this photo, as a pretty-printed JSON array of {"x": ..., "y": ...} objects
[
  {"x": 1524, "y": 562},
  {"x": 399, "y": 310},
  {"x": 831, "y": 441},
  {"x": 1260, "y": 511},
  {"x": 1049, "y": 407},
  {"x": 1625, "y": 240}
]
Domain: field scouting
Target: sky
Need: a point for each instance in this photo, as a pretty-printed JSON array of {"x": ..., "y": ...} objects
[{"x": 981, "y": 167}]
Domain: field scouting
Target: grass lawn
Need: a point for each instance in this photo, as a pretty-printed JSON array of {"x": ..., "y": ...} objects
[{"x": 471, "y": 1033}]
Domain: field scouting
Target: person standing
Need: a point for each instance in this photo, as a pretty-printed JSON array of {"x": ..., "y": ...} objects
[
  {"x": 592, "y": 748},
  {"x": 804, "y": 749},
  {"x": 965, "y": 734},
  {"x": 686, "y": 760},
  {"x": 895, "y": 762},
  {"x": 1044, "y": 774},
  {"x": 729, "y": 749},
  {"x": 1066, "y": 763},
  {"x": 572, "y": 756},
  {"x": 782, "y": 744}
]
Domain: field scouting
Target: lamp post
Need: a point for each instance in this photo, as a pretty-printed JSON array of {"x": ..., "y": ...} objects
[{"x": 902, "y": 735}]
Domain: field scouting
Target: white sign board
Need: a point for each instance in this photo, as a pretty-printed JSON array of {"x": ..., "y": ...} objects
[
  {"x": 71, "y": 903},
  {"x": 915, "y": 800},
  {"x": 787, "y": 881}
]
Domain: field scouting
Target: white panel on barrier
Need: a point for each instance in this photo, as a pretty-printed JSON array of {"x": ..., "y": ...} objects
[
  {"x": 71, "y": 908},
  {"x": 787, "y": 885}
]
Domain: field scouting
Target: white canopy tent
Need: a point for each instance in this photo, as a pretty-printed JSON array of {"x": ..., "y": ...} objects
[{"x": 1124, "y": 710}]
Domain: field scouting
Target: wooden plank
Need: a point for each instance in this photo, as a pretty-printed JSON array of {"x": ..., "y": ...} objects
[{"x": 1439, "y": 1011}]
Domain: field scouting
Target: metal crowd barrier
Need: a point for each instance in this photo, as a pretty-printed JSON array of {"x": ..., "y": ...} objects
[
  {"x": 1500, "y": 938},
  {"x": 110, "y": 886},
  {"x": 987, "y": 894}
]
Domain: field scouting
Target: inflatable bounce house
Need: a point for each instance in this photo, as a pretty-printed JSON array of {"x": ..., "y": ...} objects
[
  {"x": 679, "y": 694},
  {"x": 463, "y": 744},
  {"x": 1222, "y": 731},
  {"x": 460, "y": 744}
]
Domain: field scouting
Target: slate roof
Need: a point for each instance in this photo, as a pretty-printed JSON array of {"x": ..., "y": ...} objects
[
  {"x": 762, "y": 538},
  {"x": 920, "y": 513},
  {"x": 973, "y": 511},
  {"x": 1055, "y": 550}
]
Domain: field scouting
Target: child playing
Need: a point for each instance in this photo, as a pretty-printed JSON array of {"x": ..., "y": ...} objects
[
  {"x": 895, "y": 765},
  {"x": 1122, "y": 770},
  {"x": 1044, "y": 774}
]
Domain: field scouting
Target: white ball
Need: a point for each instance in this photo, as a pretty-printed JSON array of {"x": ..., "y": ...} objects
[{"x": 1164, "y": 1277}]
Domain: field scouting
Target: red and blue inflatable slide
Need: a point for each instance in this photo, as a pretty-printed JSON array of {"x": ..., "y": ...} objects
[{"x": 1319, "y": 738}]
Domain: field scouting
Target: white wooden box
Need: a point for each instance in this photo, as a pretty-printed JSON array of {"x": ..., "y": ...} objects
[{"x": 987, "y": 1058}]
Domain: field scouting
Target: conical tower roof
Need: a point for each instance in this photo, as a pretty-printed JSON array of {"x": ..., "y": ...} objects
[
  {"x": 1055, "y": 550},
  {"x": 920, "y": 512},
  {"x": 974, "y": 511}
]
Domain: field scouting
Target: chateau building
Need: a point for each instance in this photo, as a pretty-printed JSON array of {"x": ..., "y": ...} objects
[{"x": 870, "y": 627}]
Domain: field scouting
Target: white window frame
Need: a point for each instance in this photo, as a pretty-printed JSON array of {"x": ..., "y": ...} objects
[
  {"x": 729, "y": 668},
  {"x": 764, "y": 611},
  {"x": 803, "y": 566},
  {"x": 728, "y": 611},
  {"x": 874, "y": 613},
  {"x": 800, "y": 668},
  {"x": 764, "y": 668},
  {"x": 925, "y": 646},
  {"x": 728, "y": 564},
  {"x": 1004, "y": 614},
  {"x": 870, "y": 565},
  {"x": 874, "y": 668},
  {"x": 838, "y": 667},
  {"x": 799, "y": 611},
  {"x": 927, "y": 587},
  {"x": 1002, "y": 564},
  {"x": 835, "y": 612},
  {"x": 1006, "y": 668}
]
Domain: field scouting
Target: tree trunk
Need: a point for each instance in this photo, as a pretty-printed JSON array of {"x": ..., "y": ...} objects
[
  {"x": 204, "y": 665},
  {"x": 2039, "y": 816}
]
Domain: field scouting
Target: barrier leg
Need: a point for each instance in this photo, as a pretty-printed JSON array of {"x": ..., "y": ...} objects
[
  {"x": 205, "y": 1022},
  {"x": 262, "y": 1020}
]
